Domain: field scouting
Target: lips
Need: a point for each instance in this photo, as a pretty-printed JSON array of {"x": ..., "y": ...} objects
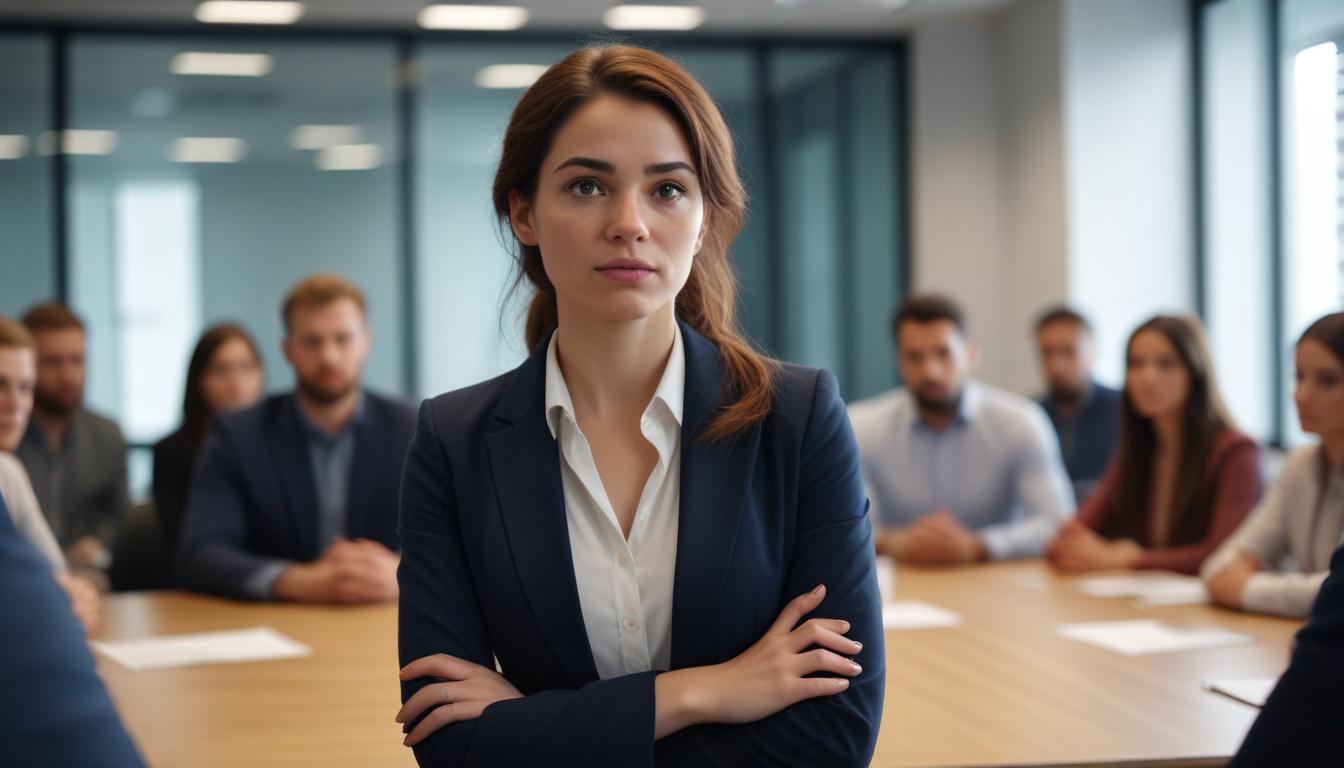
[{"x": 626, "y": 270}]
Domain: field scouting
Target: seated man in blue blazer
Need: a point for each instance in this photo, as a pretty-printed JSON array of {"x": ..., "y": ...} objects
[
  {"x": 1298, "y": 724},
  {"x": 54, "y": 709},
  {"x": 296, "y": 497}
]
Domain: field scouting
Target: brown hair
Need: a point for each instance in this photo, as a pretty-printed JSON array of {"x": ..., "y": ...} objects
[
  {"x": 51, "y": 316},
  {"x": 318, "y": 290},
  {"x": 14, "y": 336},
  {"x": 928, "y": 308},
  {"x": 1205, "y": 415},
  {"x": 196, "y": 414},
  {"x": 707, "y": 301},
  {"x": 1329, "y": 331},
  {"x": 1063, "y": 314}
]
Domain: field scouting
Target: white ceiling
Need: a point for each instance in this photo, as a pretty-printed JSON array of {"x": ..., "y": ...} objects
[{"x": 784, "y": 17}]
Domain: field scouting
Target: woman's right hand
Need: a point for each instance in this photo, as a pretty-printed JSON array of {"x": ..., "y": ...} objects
[{"x": 764, "y": 679}]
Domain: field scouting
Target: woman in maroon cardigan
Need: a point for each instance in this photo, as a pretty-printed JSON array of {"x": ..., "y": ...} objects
[{"x": 1183, "y": 477}]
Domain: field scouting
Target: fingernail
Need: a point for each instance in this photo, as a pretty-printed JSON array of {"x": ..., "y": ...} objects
[
  {"x": 820, "y": 588},
  {"x": 845, "y": 624},
  {"x": 841, "y": 682},
  {"x": 857, "y": 668},
  {"x": 858, "y": 645}
]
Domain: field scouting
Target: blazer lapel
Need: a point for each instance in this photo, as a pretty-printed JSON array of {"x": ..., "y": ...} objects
[
  {"x": 296, "y": 477},
  {"x": 525, "y": 463},
  {"x": 714, "y": 482}
]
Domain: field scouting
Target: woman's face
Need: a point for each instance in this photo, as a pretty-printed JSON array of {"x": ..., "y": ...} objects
[
  {"x": 232, "y": 378},
  {"x": 1320, "y": 389},
  {"x": 618, "y": 213},
  {"x": 1157, "y": 382}
]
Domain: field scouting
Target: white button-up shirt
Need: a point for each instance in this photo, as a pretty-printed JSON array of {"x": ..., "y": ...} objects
[{"x": 625, "y": 586}]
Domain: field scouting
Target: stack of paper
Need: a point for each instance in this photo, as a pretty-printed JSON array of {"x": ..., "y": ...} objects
[
  {"x": 1147, "y": 588},
  {"x": 886, "y": 578},
  {"x": 1144, "y": 637},
  {"x": 910, "y": 614},
  {"x": 257, "y": 644},
  {"x": 1253, "y": 692}
]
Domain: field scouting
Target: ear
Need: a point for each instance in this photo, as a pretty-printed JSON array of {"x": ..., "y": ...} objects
[
  {"x": 521, "y": 219},
  {"x": 973, "y": 354},
  {"x": 704, "y": 230},
  {"x": 285, "y": 343}
]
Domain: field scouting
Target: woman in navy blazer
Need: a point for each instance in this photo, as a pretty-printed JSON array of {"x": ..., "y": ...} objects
[{"x": 618, "y": 181}]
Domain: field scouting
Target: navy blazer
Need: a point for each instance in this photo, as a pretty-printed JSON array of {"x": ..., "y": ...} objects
[
  {"x": 54, "y": 710},
  {"x": 253, "y": 499},
  {"x": 1299, "y": 725},
  {"x": 487, "y": 571}
]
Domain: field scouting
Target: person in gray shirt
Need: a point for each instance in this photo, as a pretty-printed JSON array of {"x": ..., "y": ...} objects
[
  {"x": 1277, "y": 560},
  {"x": 75, "y": 457},
  {"x": 956, "y": 471}
]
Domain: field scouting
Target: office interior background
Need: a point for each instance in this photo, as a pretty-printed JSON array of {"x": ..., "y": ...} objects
[{"x": 1124, "y": 156}]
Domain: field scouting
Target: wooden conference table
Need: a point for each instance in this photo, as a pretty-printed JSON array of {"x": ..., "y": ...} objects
[{"x": 1000, "y": 689}]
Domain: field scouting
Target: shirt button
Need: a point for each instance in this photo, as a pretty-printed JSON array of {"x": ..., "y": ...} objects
[
  {"x": 623, "y": 561},
  {"x": 630, "y": 624}
]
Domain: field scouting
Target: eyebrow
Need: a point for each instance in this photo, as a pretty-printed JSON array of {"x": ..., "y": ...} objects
[{"x": 603, "y": 166}]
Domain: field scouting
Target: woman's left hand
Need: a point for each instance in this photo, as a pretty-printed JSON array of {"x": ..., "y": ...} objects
[
  {"x": 1078, "y": 548},
  {"x": 464, "y": 693}
]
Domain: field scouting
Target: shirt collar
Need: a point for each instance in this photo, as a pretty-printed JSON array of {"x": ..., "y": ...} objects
[
  {"x": 671, "y": 390},
  {"x": 314, "y": 432}
]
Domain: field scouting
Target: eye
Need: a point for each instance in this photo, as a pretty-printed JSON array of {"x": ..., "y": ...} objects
[
  {"x": 668, "y": 191},
  {"x": 585, "y": 187}
]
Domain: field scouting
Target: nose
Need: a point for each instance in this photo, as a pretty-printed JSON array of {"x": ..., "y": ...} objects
[{"x": 627, "y": 222}]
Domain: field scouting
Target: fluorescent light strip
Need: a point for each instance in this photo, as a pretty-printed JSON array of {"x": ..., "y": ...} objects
[
  {"x": 13, "y": 147},
  {"x": 323, "y": 136},
  {"x": 669, "y": 17},
  {"x": 248, "y": 12},
  {"x": 200, "y": 149},
  {"x": 80, "y": 142},
  {"x": 509, "y": 75},
  {"x": 348, "y": 157},
  {"x": 221, "y": 64},
  {"x": 476, "y": 17}
]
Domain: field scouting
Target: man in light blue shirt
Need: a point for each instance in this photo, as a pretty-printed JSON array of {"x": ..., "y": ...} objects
[{"x": 957, "y": 471}]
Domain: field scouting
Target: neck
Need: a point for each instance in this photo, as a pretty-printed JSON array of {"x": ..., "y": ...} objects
[
  {"x": 1168, "y": 429},
  {"x": 330, "y": 417},
  {"x": 1333, "y": 445},
  {"x": 53, "y": 425},
  {"x": 613, "y": 369}
]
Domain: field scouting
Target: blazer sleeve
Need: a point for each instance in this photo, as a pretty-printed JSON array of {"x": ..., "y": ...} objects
[
  {"x": 170, "y": 489},
  {"x": 607, "y": 722},
  {"x": 833, "y": 546},
  {"x": 1299, "y": 723},
  {"x": 1236, "y": 489},
  {"x": 212, "y": 555}
]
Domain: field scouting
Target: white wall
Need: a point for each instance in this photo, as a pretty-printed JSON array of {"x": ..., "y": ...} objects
[
  {"x": 1127, "y": 95},
  {"x": 1052, "y": 162}
]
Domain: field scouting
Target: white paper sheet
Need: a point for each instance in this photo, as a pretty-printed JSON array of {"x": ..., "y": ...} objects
[
  {"x": 1148, "y": 589},
  {"x": 912, "y": 614},
  {"x": 1144, "y": 637},
  {"x": 256, "y": 644},
  {"x": 1253, "y": 691}
]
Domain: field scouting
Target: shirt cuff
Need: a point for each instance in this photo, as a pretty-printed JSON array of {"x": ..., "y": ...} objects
[{"x": 261, "y": 584}]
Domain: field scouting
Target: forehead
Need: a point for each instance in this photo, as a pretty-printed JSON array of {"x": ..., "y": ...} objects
[
  {"x": 58, "y": 337},
  {"x": 16, "y": 361},
  {"x": 1151, "y": 342},
  {"x": 1062, "y": 331},
  {"x": 917, "y": 335},
  {"x": 342, "y": 312},
  {"x": 629, "y": 134},
  {"x": 1314, "y": 354}
]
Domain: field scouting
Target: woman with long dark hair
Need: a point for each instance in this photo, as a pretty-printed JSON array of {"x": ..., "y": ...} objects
[
  {"x": 1183, "y": 477},
  {"x": 1303, "y": 515},
  {"x": 658, "y": 534},
  {"x": 225, "y": 373}
]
